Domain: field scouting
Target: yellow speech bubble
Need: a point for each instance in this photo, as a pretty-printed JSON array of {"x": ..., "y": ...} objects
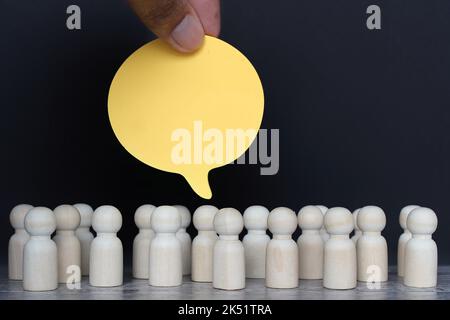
[{"x": 186, "y": 113}]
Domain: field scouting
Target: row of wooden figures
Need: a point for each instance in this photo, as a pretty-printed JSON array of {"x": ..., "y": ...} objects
[{"x": 163, "y": 252}]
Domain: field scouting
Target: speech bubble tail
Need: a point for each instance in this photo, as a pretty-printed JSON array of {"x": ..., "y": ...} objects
[{"x": 200, "y": 184}]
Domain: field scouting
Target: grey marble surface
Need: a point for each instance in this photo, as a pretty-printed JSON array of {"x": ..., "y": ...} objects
[{"x": 255, "y": 290}]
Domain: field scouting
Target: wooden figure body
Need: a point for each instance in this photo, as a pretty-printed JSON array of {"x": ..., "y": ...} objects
[
  {"x": 17, "y": 241},
  {"x": 142, "y": 241},
  {"x": 203, "y": 244},
  {"x": 255, "y": 241},
  {"x": 166, "y": 264},
  {"x": 310, "y": 243},
  {"x": 185, "y": 238},
  {"x": 40, "y": 260},
  {"x": 69, "y": 247},
  {"x": 403, "y": 239},
  {"x": 106, "y": 256},
  {"x": 282, "y": 251},
  {"x": 340, "y": 265},
  {"x": 228, "y": 257},
  {"x": 421, "y": 257},
  {"x": 371, "y": 247},
  {"x": 85, "y": 235}
]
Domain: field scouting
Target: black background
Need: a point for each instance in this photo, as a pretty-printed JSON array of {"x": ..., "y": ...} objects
[{"x": 363, "y": 115}]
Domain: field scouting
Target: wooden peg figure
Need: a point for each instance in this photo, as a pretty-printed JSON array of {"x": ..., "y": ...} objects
[
  {"x": 340, "y": 263},
  {"x": 282, "y": 251},
  {"x": 17, "y": 241}
]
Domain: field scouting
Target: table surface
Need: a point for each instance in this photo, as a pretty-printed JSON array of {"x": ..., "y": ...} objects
[{"x": 255, "y": 290}]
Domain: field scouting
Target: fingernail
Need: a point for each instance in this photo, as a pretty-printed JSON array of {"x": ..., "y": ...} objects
[{"x": 188, "y": 34}]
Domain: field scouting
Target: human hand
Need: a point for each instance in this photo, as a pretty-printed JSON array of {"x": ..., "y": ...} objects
[{"x": 182, "y": 23}]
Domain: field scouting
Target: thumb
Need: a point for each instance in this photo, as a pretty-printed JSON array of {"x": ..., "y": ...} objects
[{"x": 175, "y": 21}]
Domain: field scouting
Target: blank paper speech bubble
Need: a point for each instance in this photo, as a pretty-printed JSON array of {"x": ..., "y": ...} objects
[{"x": 186, "y": 113}]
